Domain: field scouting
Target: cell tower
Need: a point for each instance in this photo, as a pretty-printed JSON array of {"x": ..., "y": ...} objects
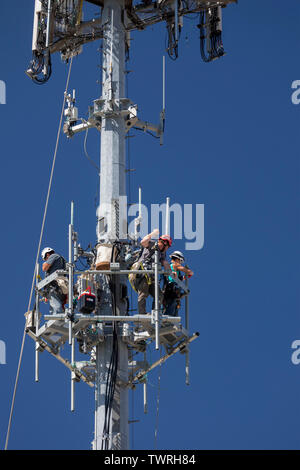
[{"x": 100, "y": 322}]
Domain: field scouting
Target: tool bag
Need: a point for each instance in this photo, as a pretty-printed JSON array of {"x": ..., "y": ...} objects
[
  {"x": 63, "y": 284},
  {"x": 86, "y": 302},
  {"x": 135, "y": 278}
]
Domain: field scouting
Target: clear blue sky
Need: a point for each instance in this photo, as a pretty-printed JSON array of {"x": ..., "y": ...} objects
[{"x": 231, "y": 143}]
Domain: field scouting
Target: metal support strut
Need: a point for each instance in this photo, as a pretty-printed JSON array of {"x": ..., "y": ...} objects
[
  {"x": 71, "y": 308},
  {"x": 156, "y": 298}
]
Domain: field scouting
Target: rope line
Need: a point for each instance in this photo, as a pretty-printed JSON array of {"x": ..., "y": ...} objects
[{"x": 37, "y": 255}]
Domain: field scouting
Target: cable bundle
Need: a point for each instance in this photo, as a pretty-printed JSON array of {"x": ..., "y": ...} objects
[
  {"x": 112, "y": 370},
  {"x": 110, "y": 389},
  {"x": 210, "y": 32},
  {"x": 41, "y": 67},
  {"x": 172, "y": 44}
]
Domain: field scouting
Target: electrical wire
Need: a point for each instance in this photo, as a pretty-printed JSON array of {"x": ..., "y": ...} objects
[
  {"x": 86, "y": 153},
  {"x": 171, "y": 42},
  {"x": 37, "y": 255},
  {"x": 214, "y": 40},
  {"x": 112, "y": 370}
]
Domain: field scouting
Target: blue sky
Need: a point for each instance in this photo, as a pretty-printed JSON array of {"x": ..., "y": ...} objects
[{"x": 231, "y": 143}]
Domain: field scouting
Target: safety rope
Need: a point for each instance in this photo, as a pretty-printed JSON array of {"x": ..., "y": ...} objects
[{"x": 37, "y": 255}]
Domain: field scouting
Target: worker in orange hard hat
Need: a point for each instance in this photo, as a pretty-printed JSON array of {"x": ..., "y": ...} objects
[{"x": 146, "y": 285}]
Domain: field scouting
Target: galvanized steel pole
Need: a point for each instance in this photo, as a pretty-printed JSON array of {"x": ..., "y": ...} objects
[{"x": 112, "y": 224}]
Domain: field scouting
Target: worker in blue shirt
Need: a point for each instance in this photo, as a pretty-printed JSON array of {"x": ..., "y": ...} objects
[
  {"x": 52, "y": 262},
  {"x": 172, "y": 292}
]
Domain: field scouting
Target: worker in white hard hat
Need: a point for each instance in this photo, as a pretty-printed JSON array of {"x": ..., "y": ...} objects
[
  {"x": 172, "y": 292},
  {"x": 53, "y": 291}
]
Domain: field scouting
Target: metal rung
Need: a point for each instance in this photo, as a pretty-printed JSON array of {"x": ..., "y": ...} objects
[
  {"x": 50, "y": 278},
  {"x": 111, "y": 318},
  {"x": 64, "y": 361},
  {"x": 140, "y": 375}
]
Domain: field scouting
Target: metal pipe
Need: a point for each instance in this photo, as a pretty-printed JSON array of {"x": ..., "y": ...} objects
[
  {"x": 37, "y": 324},
  {"x": 53, "y": 276},
  {"x": 70, "y": 293},
  {"x": 36, "y": 362},
  {"x": 117, "y": 271},
  {"x": 187, "y": 354},
  {"x": 110, "y": 318},
  {"x": 111, "y": 45},
  {"x": 145, "y": 397},
  {"x": 187, "y": 307},
  {"x": 156, "y": 298},
  {"x": 48, "y": 24},
  {"x": 73, "y": 376},
  {"x": 140, "y": 202},
  {"x": 145, "y": 389},
  {"x": 112, "y": 188}
]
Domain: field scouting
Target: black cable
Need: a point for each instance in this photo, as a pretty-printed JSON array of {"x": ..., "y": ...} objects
[
  {"x": 171, "y": 43},
  {"x": 38, "y": 68},
  {"x": 86, "y": 153},
  {"x": 113, "y": 367},
  {"x": 215, "y": 38}
]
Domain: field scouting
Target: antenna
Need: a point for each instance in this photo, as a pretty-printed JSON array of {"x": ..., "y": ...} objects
[
  {"x": 167, "y": 229},
  {"x": 97, "y": 319},
  {"x": 164, "y": 84},
  {"x": 162, "y": 114}
]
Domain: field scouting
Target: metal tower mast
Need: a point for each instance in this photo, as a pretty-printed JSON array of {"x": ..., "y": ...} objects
[
  {"x": 106, "y": 331},
  {"x": 112, "y": 186}
]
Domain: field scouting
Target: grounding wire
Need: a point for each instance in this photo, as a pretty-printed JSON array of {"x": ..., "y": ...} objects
[
  {"x": 86, "y": 153},
  {"x": 37, "y": 255}
]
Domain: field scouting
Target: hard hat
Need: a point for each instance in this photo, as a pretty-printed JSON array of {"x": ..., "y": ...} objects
[
  {"x": 46, "y": 250},
  {"x": 166, "y": 238},
  {"x": 177, "y": 254}
]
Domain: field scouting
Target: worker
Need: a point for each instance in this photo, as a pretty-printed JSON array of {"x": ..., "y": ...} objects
[
  {"x": 56, "y": 291},
  {"x": 146, "y": 285},
  {"x": 172, "y": 292}
]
